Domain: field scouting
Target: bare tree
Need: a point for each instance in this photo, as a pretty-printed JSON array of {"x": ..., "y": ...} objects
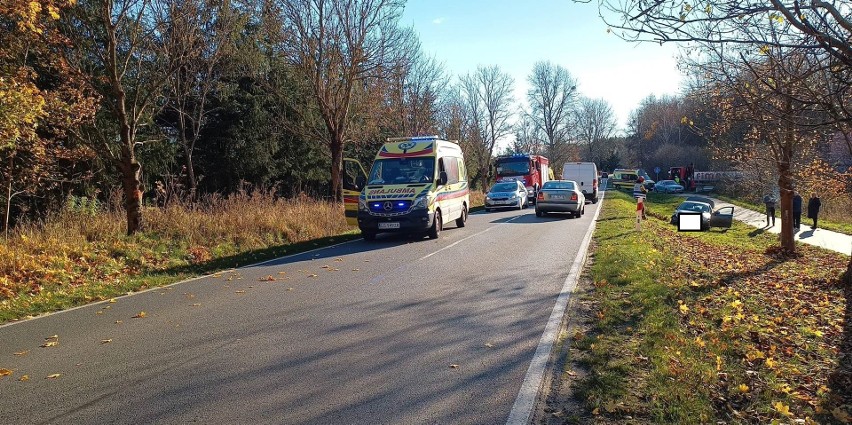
[
  {"x": 488, "y": 92},
  {"x": 528, "y": 136},
  {"x": 116, "y": 45},
  {"x": 336, "y": 44},
  {"x": 198, "y": 37},
  {"x": 552, "y": 97},
  {"x": 594, "y": 122}
]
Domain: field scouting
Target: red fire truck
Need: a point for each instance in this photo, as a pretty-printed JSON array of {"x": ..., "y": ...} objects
[{"x": 531, "y": 170}]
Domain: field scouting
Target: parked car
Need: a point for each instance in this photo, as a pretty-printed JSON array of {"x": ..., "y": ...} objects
[
  {"x": 709, "y": 218},
  {"x": 510, "y": 194},
  {"x": 668, "y": 186},
  {"x": 560, "y": 196}
]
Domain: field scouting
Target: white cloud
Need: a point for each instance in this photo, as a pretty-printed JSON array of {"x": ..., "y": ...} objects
[{"x": 438, "y": 21}]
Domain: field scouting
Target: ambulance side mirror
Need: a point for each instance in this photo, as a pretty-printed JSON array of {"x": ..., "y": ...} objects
[
  {"x": 359, "y": 182},
  {"x": 442, "y": 180}
]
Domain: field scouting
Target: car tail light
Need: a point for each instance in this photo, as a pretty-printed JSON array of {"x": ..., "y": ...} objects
[
  {"x": 540, "y": 196},
  {"x": 595, "y": 184},
  {"x": 573, "y": 196}
]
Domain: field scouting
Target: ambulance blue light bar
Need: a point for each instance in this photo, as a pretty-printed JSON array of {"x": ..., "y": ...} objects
[{"x": 413, "y": 139}]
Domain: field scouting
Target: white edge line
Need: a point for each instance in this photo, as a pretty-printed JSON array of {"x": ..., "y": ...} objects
[
  {"x": 157, "y": 288},
  {"x": 525, "y": 402}
]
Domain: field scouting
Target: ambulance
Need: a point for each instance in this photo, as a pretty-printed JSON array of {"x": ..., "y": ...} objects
[{"x": 416, "y": 185}]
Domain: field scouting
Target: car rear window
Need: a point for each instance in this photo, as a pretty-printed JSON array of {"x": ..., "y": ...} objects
[
  {"x": 558, "y": 185},
  {"x": 504, "y": 187}
]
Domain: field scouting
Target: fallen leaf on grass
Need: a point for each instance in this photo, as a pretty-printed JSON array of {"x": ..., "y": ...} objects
[
  {"x": 597, "y": 411},
  {"x": 54, "y": 376},
  {"x": 22, "y": 353},
  {"x": 106, "y": 341},
  {"x": 743, "y": 388},
  {"x": 140, "y": 315},
  {"x": 24, "y": 378},
  {"x": 5, "y": 372},
  {"x": 782, "y": 408}
]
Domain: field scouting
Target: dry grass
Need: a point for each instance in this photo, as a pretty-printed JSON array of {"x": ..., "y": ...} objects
[
  {"x": 75, "y": 256},
  {"x": 82, "y": 254}
]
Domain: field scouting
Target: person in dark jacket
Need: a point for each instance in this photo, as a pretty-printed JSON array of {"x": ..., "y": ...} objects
[
  {"x": 769, "y": 200},
  {"x": 797, "y": 210},
  {"x": 813, "y": 208}
]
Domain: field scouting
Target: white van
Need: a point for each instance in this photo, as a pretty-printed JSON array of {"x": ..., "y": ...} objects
[{"x": 586, "y": 176}]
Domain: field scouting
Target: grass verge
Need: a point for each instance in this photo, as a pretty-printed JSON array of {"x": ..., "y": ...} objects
[
  {"x": 76, "y": 257},
  {"x": 712, "y": 326}
]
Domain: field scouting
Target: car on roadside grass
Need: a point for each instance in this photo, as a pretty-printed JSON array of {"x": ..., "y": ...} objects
[
  {"x": 668, "y": 186},
  {"x": 709, "y": 218},
  {"x": 560, "y": 196},
  {"x": 507, "y": 194}
]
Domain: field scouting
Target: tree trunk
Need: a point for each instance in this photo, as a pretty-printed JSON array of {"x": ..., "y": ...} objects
[
  {"x": 336, "y": 168},
  {"x": 785, "y": 184},
  {"x": 132, "y": 185},
  {"x": 190, "y": 171}
]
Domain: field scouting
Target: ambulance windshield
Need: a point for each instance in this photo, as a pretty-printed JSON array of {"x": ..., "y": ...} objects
[{"x": 403, "y": 171}]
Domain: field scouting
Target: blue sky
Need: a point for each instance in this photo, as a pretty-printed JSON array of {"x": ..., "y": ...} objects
[{"x": 515, "y": 34}]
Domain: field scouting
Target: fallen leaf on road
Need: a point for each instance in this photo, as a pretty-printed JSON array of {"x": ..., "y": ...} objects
[
  {"x": 24, "y": 378},
  {"x": 240, "y": 292},
  {"x": 50, "y": 344},
  {"x": 196, "y": 304},
  {"x": 99, "y": 312},
  {"x": 338, "y": 259},
  {"x": 267, "y": 279},
  {"x": 454, "y": 366},
  {"x": 118, "y": 322},
  {"x": 289, "y": 289},
  {"x": 106, "y": 341},
  {"x": 140, "y": 315},
  {"x": 217, "y": 274},
  {"x": 282, "y": 272},
  {"x": 54, "y": 376},
  {"x": 355, "y": 270},
  {"x": 312, "y": 275},
  {"x": 325, "y": 266},
  {"x": 5, "y": 372},
  {"x": 22, "y": 353},
  {"x": 112, "y": 300},
  {"x": 366, "y": 261},
  {"x": 52, "y": 337},
  {"x": 489, "y": 345}
]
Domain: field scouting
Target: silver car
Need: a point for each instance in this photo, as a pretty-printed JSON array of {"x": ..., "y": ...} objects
[
  {"x": 510, "y": 194},
  {"x": 560, "y": 196}
]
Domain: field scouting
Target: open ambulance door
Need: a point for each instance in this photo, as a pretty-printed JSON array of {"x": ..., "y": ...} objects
[{"x": 354, "y": 180}]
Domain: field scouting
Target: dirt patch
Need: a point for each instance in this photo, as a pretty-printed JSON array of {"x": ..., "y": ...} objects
[{"x": 557, "y": 402}]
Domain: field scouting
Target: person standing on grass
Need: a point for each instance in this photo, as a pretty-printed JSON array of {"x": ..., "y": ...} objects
[
  {"x": 813, "y": 209},
  {"x": 797, "y": 210},
  {"x": 769, "y": 200}
]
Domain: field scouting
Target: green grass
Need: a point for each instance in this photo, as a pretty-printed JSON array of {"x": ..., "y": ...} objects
[{"x": 686, "y": 321}]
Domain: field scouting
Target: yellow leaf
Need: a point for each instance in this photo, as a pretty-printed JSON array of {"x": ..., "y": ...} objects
[
  {"x": 737, "y": 304},
  {"x": 50, "y": 344},
  {"x": 743, "y": 388},
  {"x": 54, "y": 376},
  {"x": 240, "y": 292},
  {"x": 718, "y": 363},
  {"x": 782, "y": 408},
  {"x": 22, "y": 353},
  {"x": 106, "y": 341},
  {"x": 112, "y": 300},
  {"x": 700, "y": 342},
  {"x": 5, "y": 372},
  {"x": 24, "y": 378},
  {"x": 771, "y": 363},
  {"x": 140, "y": 315},
  {"x": 684, "y": 309}
]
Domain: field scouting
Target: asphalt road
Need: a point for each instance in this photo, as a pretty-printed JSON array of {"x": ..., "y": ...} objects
[{"x": 397, "y": 331}]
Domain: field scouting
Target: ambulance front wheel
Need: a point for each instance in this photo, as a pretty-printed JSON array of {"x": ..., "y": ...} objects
[
  {"x": 437, "y": 226},
  {"x": 460, "y": 221}
]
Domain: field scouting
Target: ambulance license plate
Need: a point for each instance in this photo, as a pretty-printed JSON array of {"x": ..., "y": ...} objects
[{"x": 390, "y": 225}]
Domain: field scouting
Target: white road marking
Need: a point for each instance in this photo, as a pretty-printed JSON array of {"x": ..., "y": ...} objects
[{"x": 525, "y": 402}]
